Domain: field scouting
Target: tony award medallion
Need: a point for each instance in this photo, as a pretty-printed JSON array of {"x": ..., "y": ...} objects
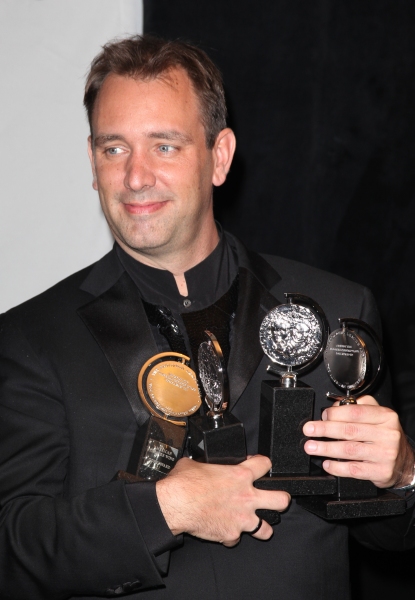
[
  {"x": 348, "y": 363},
  {"x": 218, "y": 436},
  {"x": 293, "y": 336},
  {"x": 169, "y": 390}
]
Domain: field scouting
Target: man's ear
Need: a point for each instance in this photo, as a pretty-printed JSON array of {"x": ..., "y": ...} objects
[
  {"x": 223, "y": 152},
  {"x": 92, "y": 160}
]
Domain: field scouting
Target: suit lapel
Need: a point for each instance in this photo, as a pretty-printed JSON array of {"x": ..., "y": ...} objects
[
  {"x": 256, "y": 277},
  {"x": 117, "y": 321}
]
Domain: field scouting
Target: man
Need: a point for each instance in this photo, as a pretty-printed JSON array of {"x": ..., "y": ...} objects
[{"x": 70, "y": 359}]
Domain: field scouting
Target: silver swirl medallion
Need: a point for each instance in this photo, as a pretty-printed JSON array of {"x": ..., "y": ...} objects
[
  {"x": 210, "y": 373},
  {"x": 291, "y": 335}
]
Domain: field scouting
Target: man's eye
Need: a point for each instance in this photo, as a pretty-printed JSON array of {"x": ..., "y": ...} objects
[
  {"x": 113, "y": 151},
  {"x": 166, "y": 148}
]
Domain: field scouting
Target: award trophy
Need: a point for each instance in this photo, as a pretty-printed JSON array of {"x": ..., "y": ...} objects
[
  {"x": 347, "y": 361},
  {"x": 169, "y": 389},
  {"x": 216, "y": 437},
  {"x": 293, "y": 336}
]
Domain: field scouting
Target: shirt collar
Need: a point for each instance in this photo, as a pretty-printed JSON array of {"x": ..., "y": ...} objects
[{"x": 206, "y": 282}]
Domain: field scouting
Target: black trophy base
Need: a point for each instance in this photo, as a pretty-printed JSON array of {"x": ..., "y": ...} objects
[
  {"x": 218, "y": 442},
  {"x": 349, "y": 488},
  {"x": 299, "y": 485},
  {"x": 283, "y": 412},
  {"x": 385, "y": 504},
  {"x": 317, "y": 482},
  {"x": 273, "y": 517},
  {"x": 157, "y": 447},
  {"x": 354, "y": 499}
]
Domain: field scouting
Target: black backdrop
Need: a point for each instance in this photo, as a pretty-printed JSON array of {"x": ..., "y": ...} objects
[{"x": 321, "y": 96}]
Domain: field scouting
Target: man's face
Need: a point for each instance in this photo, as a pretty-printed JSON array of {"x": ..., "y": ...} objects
[{"x": 151, "y": 166}]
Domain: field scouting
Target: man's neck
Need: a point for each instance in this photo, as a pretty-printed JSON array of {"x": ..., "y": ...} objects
[{"x": 178, "y": 263}]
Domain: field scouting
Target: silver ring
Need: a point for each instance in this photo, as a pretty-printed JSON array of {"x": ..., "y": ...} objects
[{"x": 257, "y": 528}]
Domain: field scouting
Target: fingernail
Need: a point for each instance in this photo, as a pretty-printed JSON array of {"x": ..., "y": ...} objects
[
  {"x": 324, "y": 415},
  {"x": 326, "y": 465},
  {"x": 309, "y": 428},
  {"x": 311, "y": 446}
]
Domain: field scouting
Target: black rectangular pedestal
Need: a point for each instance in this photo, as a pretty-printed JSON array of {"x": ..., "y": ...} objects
[
  {"x": 348, "y": 488},
  {"x": 283, "y": 413},
  {"x": 220, "y": 442},
  {"x": 299, "y": 485},
  {"x": 386, "y": 504},
  {"x": 354, "y": 499},
  {"x": 157, "y": 447}
]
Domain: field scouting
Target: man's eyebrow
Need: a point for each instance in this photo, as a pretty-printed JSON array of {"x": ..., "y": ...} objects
[
  {"x": 170, "y": 135},
  {"x": 105, "y": 138}
]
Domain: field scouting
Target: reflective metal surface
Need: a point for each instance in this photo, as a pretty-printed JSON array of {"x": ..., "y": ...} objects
[
  {"x": 346, "y": 359},
  {"x": 210, "y": 373},
  {"x": 291, "y": 335},
  {"x": 168, "y": 386},
  {"x": 213, "y": 375}
]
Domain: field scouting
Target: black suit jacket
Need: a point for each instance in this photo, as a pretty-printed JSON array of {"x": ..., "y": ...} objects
[{"x": 69, "y": 409}]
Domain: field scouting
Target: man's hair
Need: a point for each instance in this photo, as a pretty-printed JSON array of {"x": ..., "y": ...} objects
[{"x": 147, "y": 57}]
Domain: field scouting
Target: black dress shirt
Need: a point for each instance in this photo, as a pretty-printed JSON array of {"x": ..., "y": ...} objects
[{"x": 206, "y": 282}]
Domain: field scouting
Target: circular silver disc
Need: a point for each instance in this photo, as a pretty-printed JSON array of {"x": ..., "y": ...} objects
[
  {"x": 210, "y": 373},
  {"x": 290, "y": 335},
  {"x": 346, "y": 359}
]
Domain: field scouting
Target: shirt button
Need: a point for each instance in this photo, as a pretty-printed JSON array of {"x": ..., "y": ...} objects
[{"x": 187, "y": 303}]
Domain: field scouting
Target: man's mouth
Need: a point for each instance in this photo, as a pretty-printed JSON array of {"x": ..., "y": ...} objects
[{"x": 135, "y": 208}]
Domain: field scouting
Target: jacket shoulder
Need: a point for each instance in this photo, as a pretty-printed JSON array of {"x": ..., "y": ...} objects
[
  {"x": 62, "y": 293},
  {"x": 65, "y": 297},
  {"x": 338, "y": 297},
  {"x": 89, "y": 282},
  {"x": 297, "y": 273}
]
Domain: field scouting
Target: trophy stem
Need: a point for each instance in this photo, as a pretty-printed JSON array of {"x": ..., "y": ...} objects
[
  {"x": 289, "y": 379},
  {"x": 348, "y": 400},
  {"x": 217, "y": 418}
]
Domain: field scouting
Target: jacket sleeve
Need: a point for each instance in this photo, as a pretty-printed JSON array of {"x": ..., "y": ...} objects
[
  {"x": 52, "y": 545},
  {"x": 386, "y": 533}
]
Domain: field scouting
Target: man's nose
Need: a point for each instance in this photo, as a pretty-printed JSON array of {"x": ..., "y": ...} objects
[{"x": 139, "y": 172}]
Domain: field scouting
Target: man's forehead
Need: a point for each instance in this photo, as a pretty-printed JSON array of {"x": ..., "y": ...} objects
[
  {"x": 117, "y": 95},
  {"x": 175, "y": 79}
]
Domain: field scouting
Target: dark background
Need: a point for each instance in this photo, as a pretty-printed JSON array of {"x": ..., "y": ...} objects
[{"x": 321, "y": 96}]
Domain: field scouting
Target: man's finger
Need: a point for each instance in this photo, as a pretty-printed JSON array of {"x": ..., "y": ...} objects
[
  {"x": 272, "y": 500},
  {"x": 264, "y": 532},
  {"x": 231, "y": 543},
  {"x": 349, "y": 450},
  {"x": 358, "y": 470},
  {"x": 357, "y": 413},
  {"x": 258, "y": 464},
  {"x": 367, "y": 400},
  {"x": 352, "y": 431}
]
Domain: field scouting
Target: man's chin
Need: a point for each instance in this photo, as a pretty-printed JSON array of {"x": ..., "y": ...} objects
[{"x": 151, "y": 246}]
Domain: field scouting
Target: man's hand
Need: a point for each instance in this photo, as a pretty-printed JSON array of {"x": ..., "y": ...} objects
[
  {"x": 218, "y": 502},
  {"x": 368, "y": 439}
]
